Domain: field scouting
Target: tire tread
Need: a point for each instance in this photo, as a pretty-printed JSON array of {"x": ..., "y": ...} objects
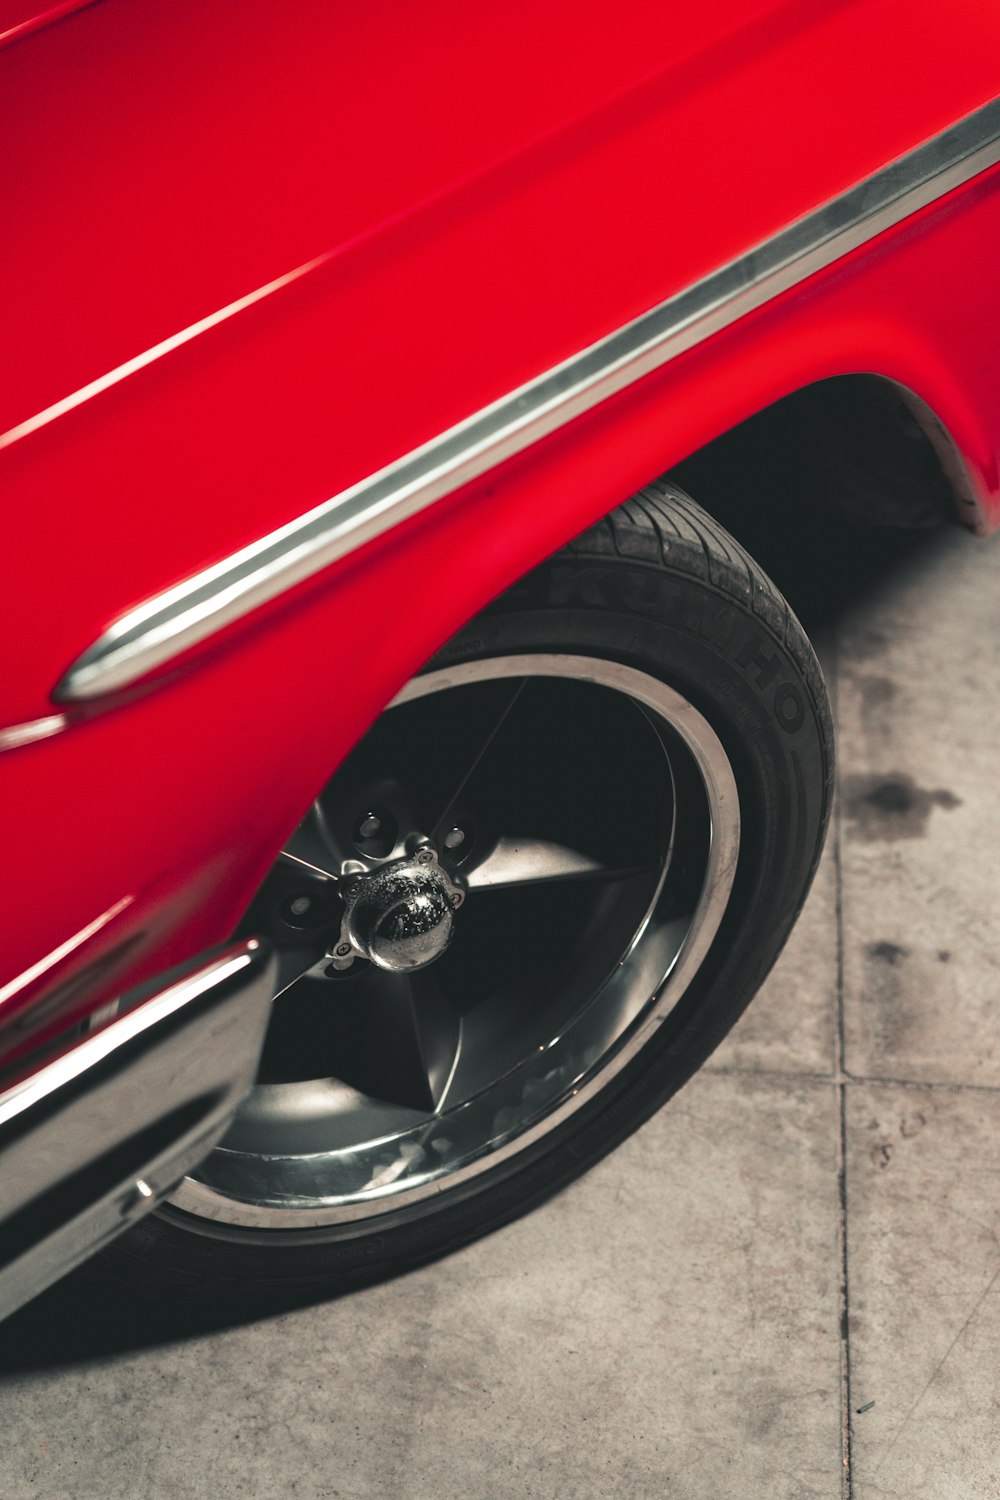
[{"x": 662, "y": 525}]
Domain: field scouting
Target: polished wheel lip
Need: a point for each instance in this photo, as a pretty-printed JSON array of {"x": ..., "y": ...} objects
[{"x": 664, "y": 703}]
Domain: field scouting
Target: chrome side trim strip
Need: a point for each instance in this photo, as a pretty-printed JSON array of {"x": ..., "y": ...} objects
[
  {"x": 99, "y": 1134},
  {"x": 170, "y": 623}
]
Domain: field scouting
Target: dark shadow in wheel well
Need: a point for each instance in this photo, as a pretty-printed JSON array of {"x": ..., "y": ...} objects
[
  {"x": 840, "y": 476},
  {"x": 861, "y": 444}
]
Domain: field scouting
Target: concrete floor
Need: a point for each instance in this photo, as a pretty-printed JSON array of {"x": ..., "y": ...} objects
[{"x": 786, "y": 1285}]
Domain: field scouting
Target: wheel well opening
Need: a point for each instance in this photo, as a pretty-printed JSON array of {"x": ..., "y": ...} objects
[
  {"x": 862, "y": 447},
  {"x": 831, "y": 486}
]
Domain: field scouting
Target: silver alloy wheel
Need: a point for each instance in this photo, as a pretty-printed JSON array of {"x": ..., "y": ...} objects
[{"x": 313, "y": 1151}]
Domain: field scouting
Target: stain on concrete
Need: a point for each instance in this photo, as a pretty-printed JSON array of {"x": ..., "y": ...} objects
[
  {"x": 944, "y": 957},
  {"x": 888, "y": 953},
  {"x": 881, "y": 1151},
  {"x": 876, "y": 693},
  {"x": 886, "y": 992},
  {"x": 868, "y": 643},
  {"x": 891, "y": 806}
]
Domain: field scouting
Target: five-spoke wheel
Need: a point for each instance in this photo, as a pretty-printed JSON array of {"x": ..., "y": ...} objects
[{"x": 527, "y": 919}]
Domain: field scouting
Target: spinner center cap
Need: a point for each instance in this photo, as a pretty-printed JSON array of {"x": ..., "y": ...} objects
[{"x": 402, "y": 916}]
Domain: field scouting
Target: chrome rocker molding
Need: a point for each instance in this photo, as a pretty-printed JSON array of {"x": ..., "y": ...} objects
[
  {"x": 101, "y": 1133},
  {"x": 170, "y": 623}
]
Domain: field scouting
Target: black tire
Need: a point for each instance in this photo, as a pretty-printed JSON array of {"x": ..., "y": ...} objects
[{"x": 658, "y": 587}]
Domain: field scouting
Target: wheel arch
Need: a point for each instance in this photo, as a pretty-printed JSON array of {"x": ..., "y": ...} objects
[{"x": 869, "y": 445}]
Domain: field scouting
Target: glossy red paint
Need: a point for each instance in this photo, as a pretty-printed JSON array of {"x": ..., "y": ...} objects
[
  {"x": 470, "y": 210},
  {"x": 19, "y": 18}
]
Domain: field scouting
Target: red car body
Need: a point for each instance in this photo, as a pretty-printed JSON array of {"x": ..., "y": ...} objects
[{"x": 253, "y": 254}]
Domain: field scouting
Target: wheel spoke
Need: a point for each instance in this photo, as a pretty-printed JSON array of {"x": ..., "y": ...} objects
[
  {"x": 309, "y": 847},
  {"x": 400, "y": 1037},
  {"x": 292, "y": 964},
  {"x": 529, "y": 861},
  {"x": 392, "y": 1037},
  {"x": 478, "y": 758}
]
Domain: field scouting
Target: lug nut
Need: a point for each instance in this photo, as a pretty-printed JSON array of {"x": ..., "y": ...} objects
[
  {"x": 454, "y": 837},
  {"x": 369, "y": 826},
  {"x": 305, "y": 911}
]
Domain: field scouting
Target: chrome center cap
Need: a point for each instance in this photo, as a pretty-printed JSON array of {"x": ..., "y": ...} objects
[{"x": 400, "y": 917}]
